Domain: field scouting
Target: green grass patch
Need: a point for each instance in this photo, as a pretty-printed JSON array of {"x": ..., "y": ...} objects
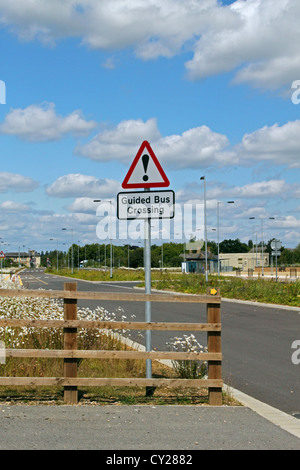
[{"x": 256, "y": 290}]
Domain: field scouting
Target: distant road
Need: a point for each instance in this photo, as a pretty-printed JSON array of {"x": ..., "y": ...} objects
[{"x": 256, "y": 340}]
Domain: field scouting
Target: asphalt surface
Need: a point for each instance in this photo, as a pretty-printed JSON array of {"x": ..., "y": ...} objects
[
  {"x": 254, "y": 426},
  {"x": 138, "y": 428}
]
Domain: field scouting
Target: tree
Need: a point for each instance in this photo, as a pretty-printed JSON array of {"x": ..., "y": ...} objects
[{"x": 233, "y": 246}]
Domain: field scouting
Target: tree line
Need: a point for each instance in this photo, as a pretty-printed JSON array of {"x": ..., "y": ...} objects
[{"x": 166, "y": 255}]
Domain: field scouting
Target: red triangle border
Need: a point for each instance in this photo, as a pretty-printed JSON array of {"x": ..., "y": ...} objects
[{"x": 164, "y": 184}]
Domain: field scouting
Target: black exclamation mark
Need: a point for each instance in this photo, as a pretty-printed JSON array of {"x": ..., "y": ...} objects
[{"x": 145, "y": 160}]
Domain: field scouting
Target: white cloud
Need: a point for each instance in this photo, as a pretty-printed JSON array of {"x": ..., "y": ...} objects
[
  {"x": 262, "y": 45},
  {"x": 154, "y": 28},
  {"x": 119, "y": 143},
  {"x": 258, "y": 39},
  {"x": 289, "y": 222},
  {"x": 16, "y": 182},
  {"x": 12, "y": 206},
  {"x": 41, "y": 123},
  {"x": 277, "y": 144},
  {"x": 194, "y": 148},
  {"x": 83, "y": 205},
  {"x": 199, "y": 147},
  {"x": 76, "y": 185},
  {"x": 260, "y": 189}
]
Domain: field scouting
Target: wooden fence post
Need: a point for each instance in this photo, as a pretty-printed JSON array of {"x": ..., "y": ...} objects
[
  {"x": 70, "y": 342},
  {"x": 214, "y": 345}
]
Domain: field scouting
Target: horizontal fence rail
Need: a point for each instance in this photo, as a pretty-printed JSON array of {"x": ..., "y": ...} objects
[
  {"x": 70, "y": 354},
  {"x": 111, "y": 325},
  {"x": 98, "y": 354},
  {"x": 123, "y": 297}
]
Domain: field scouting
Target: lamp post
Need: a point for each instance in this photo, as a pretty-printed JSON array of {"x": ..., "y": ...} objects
[
  {"x": 72, "y": 262},
  {"x": 262, "y": 239},
  {"x": 218, "y": 220},
  {"x": 110, "y": 232},
  {"x": 205, "y": 228},
  {"x": 55, "y": 239},
  {"x": 78, "y": 255}
]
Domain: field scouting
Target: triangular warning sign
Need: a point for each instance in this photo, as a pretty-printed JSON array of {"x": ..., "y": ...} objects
[{"x": 145, "y": 171}]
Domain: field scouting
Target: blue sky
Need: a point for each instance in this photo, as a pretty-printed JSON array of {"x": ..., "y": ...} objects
[{"x": 207, "y": 83}]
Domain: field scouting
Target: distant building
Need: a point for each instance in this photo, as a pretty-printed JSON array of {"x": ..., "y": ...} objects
[
  {"x": 31, "y": 259},
  {"x": 244, "y": 261},
  {"x": 195, "y": 259}
]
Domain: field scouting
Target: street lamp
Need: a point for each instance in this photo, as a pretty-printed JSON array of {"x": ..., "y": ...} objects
[
  {"x": 205, "y": 228},
  {"x": 262, "y": 240},
  {"x": 72, "y": 263},
  {"x": 55, "y": 239},
  {"x": 110, "y": 236},
  {"x": 78, "y": 254},
  {"x": 218, "y": 219}
]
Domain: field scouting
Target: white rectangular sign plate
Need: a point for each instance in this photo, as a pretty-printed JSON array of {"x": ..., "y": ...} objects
[{"x": 146, "y": 205}]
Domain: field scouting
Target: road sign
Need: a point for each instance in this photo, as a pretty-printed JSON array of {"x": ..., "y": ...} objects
[
  {"x": 2, "y": 255},
  {"x": 276, "y": 253},
  {"x": 276, "y": 245},
  {"x": 145, "y": 171},
  {"x": 146, "y": 205}
]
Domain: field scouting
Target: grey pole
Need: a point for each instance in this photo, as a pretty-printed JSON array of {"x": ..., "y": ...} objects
[
  {"x": 147, "y": 268},
  {"x": 205, "y": 228},
  {"x": 218, "y": 227},
  {"x": 262, "y": 247},
  {"x": 110, "y": 235}
]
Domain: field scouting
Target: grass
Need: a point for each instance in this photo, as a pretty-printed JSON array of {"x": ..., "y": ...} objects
[
  {"x": 256, "y": 290},
  {"x": 97, "y": 275},
  {"x": 120, "y": 274}
]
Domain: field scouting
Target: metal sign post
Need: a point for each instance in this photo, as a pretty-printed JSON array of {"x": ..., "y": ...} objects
[
  {"x": 145, "y": 173},
  {"x": 147, "y": 269}
]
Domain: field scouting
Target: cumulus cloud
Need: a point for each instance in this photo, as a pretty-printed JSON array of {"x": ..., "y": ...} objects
[
  {"x": 260, "y": 189},
  {"x": 261, "y": 46},
  {"x": 77, "y": 185},
  {"x": 258, "y": 39},
  {"x": 194, "y": 148},
  {"x": 16, "y": 182},
  {"x": 277, "y": 144},
  {"x": 119, "y": 143},
  {"x": 41, "y": 123},
  {"x": 12, "y": 206},
  {"x": 151, "y": 27},
  {"x": 199, "y": 147},
  {"x": 83, "y": 205}
]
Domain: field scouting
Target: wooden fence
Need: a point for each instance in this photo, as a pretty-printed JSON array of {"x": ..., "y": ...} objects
[{"x": 70, "y": 354}]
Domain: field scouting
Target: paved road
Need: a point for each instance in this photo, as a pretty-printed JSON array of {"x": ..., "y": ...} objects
[{"x": 256, "y": 340}]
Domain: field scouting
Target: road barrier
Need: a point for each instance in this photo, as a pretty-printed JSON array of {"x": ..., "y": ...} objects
[{"x": 70, "y": 354}]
